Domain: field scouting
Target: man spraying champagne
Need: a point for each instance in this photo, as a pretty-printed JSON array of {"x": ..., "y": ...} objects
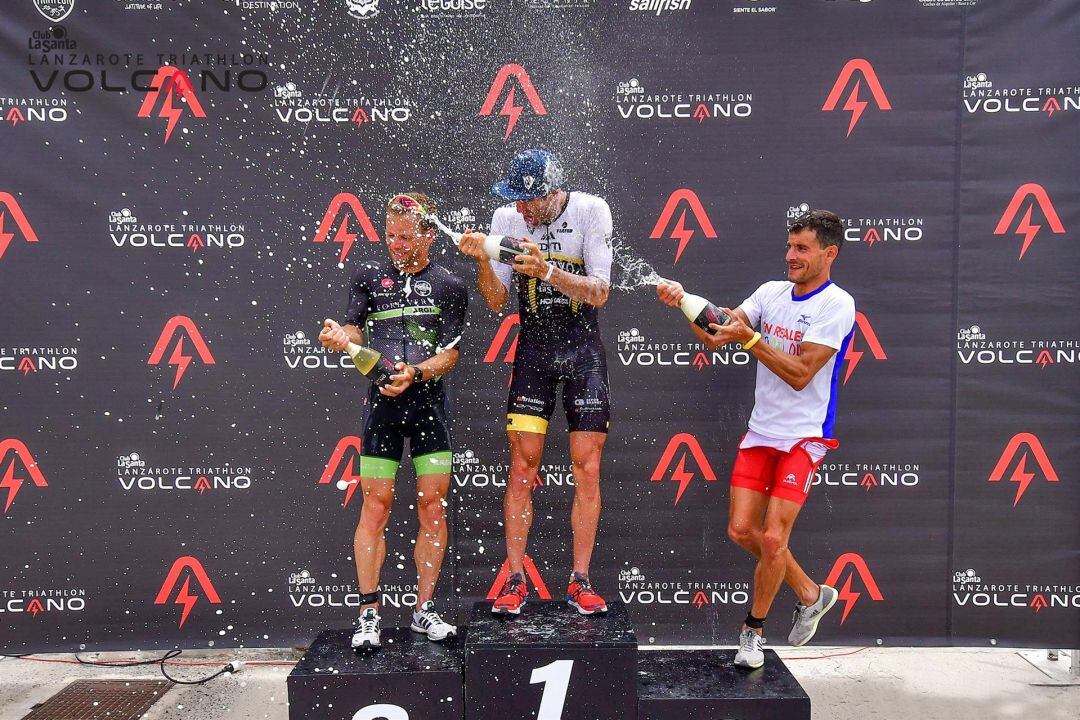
[
  {"x": 409, "y": 311},
  {"x": 805, "y": 325}
]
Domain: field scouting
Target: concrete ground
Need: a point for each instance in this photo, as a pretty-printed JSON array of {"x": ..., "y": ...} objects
[{"x": 903, "y": 683}]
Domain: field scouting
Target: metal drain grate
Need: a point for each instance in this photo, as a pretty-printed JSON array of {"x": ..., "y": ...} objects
[{"x": 104, "y": 699}]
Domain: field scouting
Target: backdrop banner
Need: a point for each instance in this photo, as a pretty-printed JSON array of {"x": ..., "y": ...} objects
[{"x": 186, "y": 188}]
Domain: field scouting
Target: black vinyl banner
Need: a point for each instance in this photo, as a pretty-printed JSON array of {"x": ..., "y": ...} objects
[{"x": 186, "y": 188}]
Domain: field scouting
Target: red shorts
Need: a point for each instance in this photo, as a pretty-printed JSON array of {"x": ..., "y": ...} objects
[{"x": 786, "y": 475}]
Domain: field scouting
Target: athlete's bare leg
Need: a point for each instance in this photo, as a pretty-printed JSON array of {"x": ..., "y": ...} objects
[
  {"x": 772, "y": 565},
  {"x": 369, "y": 542},
  {"x": 746, "y": 514},
  {"x": 585, "y": 451},
  {"x": 526, "y": 452},
  {"x": 431, "y": 541}
]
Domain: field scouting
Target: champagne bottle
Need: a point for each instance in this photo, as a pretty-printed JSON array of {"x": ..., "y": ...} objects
[
  {"x": 701, "y": 312},
  {"x": 497, "y": 247},
  {"x": 370, "y": 363}
]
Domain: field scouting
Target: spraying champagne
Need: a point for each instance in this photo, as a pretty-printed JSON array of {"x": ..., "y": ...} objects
[
  {"x": 701, "y": 312},
  {"x": 370, "y": 363},
  {"x": 497, "y": 247}
]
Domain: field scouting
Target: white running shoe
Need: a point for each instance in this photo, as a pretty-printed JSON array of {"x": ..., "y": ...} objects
[
  {"x": 367, "y": 631},
  {"x": 751, "y": 652},
  {"x": 427, "y": 621},
  {"x": 806, "y": 617}
]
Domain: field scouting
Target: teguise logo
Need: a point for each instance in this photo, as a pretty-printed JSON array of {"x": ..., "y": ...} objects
[
  {"x": 343, "y": 467},
  {"x": 532, "y": 575},
  {"x": 511, "y": 110},
  {"x": 185, "y": 598},
  {"x": 9, "y": 209},
  {"x": 682, "y": 199},
  {"x": 689, "y": 446},
  {"x": 178, "y": 326},
  {"x": 342, "y": 208},
  {"x": 169, "y": 84},
  {"x": 1023, "y": 445},
  {"x": 21, "y": 468},
  {"x": 860, "y": 71},
  {"x": 858, "y": 569},
  {"x": 854, "y": 356},
  {"x": 1025, "y": 228}
]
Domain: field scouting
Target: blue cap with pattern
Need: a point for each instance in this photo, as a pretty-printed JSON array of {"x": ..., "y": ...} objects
[{"x": 533, "y": 173}]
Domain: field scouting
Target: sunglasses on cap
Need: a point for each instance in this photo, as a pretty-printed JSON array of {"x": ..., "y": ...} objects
[{"x": 407, "y": 202}]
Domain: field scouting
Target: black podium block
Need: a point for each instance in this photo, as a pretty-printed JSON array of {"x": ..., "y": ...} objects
[
  {"x": 704, "y": 685},
  {"x": 408, "y": 677},
  {"x": 550, "y": 663}
]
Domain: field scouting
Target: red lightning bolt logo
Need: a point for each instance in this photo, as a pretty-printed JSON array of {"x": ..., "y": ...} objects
[
  {"x": 15, "y": 116},
  {"x": 1020, "y": 473},
  {"x": 34, "y": 607},
  {"x": 360, "y": 116},
  {"x": 344, "y": 237},
  {"x": 682, "y": 233},
  {"x": 5, "y": 237},
  {"x": 1039, "y": 602},
  {"x": 26, "y": 365},
  {"x": 195, "y": 242},
  {"x": 869, "y": 481},
  {"x": 849, "y": 598},
  {"x": 1025, "y": 228},
  {"x": 855, "y": 106},
  {"x": 202, "y": 484},
  {"x": 701, "y": 113},
  {"x": 180, "y": 360},
  {"x": 11, "y": 484},
  {"x": 1045, "y": 359},
  {"x": 845, "y": 593},
  {"x": 20, "y": 454},
  {"x": 1051, "y": 106},
  {"x": 700, "y": 599},
  {"x": 511, "y": 110},
  {"x": 171, "y": 81},
  {"x": 853, "y": 356},
  {"x": 185, "y": 599},
  {"x": 680, "y": 474}
]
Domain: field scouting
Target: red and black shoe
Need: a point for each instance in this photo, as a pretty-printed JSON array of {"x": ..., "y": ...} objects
[
  {"x": 580, "y": 595},
  {"x": 511, "y": 596}
]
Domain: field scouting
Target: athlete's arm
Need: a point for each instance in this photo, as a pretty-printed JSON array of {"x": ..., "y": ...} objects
[
  {"x": 491, "y": 287},
  {"x": 671, "y": 293},
  {"x": 796, "y": 370},
  {"x": 435, "y": 366},
  {"x": 583, "y": 288}
]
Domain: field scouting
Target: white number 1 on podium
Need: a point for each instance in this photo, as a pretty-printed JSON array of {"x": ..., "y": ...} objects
[{"x": 556, "y": 679}]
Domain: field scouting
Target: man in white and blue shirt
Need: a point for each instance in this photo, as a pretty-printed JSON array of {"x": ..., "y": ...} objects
[{"x": 799, "y": 330}]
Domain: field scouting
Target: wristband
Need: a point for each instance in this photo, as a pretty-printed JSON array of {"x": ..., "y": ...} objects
[
  {"x": 752, "y": 342},
  {"x": 551, "y": 270}
]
